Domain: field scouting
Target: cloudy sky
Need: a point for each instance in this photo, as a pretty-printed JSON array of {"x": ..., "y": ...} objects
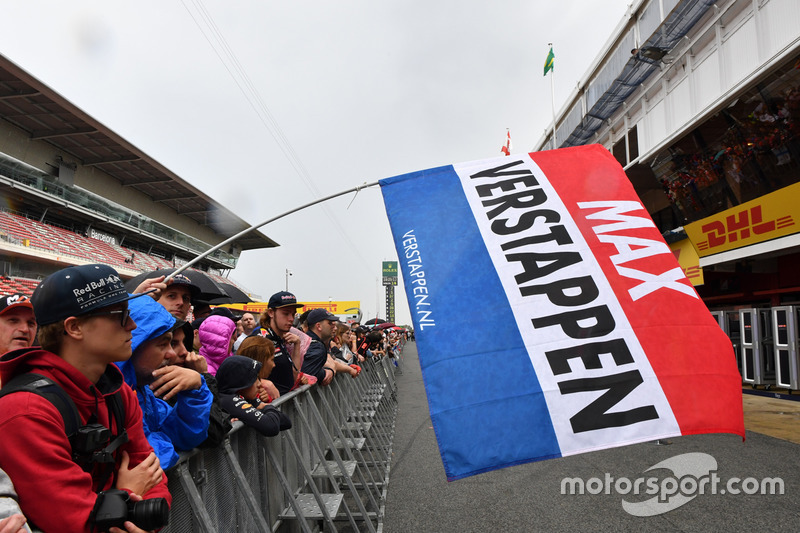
[{"x": 268, "y": 105}]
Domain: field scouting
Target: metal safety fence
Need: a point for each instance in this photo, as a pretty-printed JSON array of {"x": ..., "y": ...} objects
[{"x": 330, "y": 472}]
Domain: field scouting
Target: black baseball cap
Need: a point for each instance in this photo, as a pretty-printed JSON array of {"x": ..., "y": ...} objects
[
  {"x": 237, "y": 372},
  {"x": 318, "y": 315},
  {"x": 13, "y": 301},
  {"x": 224, "y": 311},
  {"x": 283, "y": 299},
  {"x": 78, "y": 290},
  {"x": 180, "y": 279}
]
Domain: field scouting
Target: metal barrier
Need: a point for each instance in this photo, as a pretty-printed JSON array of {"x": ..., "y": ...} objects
[
  {"x": 331, "y": 470},
  {"x": 785, "y": 340},
  {"x": 758, "y": 360},
  {"x": 728, "y": 320}
]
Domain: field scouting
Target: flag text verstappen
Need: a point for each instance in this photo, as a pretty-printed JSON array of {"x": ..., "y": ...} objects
[
  {"x": 419, "y": 284},
  {"x": 518, "y": 209}
]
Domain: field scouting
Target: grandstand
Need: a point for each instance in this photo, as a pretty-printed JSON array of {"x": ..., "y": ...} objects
[{"x": 75, "y": 192}]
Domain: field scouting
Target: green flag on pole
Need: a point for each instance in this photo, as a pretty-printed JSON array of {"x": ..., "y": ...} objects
[{"x": 548, "y": 63}]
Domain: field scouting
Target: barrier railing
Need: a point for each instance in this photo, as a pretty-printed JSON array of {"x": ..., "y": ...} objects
[{"x": 330, "y": 471}]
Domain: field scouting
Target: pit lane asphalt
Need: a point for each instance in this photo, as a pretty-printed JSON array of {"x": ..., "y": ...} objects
[{"x": 528, "y": 497}]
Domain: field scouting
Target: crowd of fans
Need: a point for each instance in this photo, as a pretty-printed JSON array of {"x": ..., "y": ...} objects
[{"x": 102, "y": 388}]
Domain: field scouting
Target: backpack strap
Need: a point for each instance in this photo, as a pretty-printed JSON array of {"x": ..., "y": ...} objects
[{"x": 52, "y": 392}]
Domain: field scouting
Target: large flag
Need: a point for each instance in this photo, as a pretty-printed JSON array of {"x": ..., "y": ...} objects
[
  {"x": 551, "y": 318},
  {"x": 549, "y": 61}
]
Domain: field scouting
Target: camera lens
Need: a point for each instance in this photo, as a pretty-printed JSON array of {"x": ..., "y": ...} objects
[{"x": 150, "y": 514}]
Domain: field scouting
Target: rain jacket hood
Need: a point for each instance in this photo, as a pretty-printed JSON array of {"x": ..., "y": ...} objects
[
  {"x": 215, "y": 337},
  {"x": 168, "y": 428},
  {"x": 152, "y": 321}
]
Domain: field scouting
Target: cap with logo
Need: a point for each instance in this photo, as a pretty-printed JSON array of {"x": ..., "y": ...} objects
[
  {"x": 180, "y": 279},
  {"x": 237, "y": 372},
  {"x": 77, "y": 290},
  {"x": 13, "y": 301},
  {"x": 318, "y": 315},
  {"x": 283, "y": 299}
]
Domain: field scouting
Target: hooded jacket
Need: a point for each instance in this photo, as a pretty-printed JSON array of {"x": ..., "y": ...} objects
[
  {"x": 215, "y": 340},
  {"x": 34, "y": 448},
  {"x": 168, "y": 428}
]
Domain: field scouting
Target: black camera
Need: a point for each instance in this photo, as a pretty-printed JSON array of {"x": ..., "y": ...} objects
[{"x": 114, "y": 507}]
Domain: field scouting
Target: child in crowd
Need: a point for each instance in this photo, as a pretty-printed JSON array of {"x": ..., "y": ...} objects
[
  {"x": 237, "y": 378},
  {"x": 262, "y": 350},
  {"x": 217, "y": 334}
]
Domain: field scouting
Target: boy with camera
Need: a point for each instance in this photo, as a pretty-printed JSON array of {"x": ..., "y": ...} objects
[{"x": 68, "y": 483}]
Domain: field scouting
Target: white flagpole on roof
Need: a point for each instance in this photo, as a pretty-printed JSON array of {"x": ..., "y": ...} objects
[{"x": 553, "y": 99}]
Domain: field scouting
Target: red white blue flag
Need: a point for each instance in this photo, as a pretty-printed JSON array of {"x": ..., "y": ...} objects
[{"x": 551, "y": 318}]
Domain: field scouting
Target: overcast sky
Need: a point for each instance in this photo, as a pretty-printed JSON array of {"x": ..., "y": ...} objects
[{"x": 267, "y": 105}]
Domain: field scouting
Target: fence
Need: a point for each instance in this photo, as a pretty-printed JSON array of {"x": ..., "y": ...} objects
[{"x": 329, "y": 472}]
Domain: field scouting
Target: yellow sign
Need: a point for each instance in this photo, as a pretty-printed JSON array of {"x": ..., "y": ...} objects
[
  {"x": 688, "y": 260},
  {"x": 340, "y": 308},
  {"x": 769, "y": 217}
]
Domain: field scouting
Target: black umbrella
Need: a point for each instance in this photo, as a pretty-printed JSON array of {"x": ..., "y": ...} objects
[
  {"x": 209, "y": 289},
  {"x": 235, "y": 295},
  {"x": 374, "y": 321}
]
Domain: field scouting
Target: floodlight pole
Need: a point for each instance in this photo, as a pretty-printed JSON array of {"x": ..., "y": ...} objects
[{"x": 256, "y": 226}]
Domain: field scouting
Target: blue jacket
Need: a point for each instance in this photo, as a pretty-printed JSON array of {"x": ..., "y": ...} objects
[{"x": 167, "y": 428}]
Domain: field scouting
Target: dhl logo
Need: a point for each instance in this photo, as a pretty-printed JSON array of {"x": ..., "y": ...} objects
[
  {"x": 691, "y": 272},
  {"x": 740, "y": 226}
]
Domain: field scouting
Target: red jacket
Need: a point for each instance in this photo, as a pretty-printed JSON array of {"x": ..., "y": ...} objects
[{"x": 54, "y": 492}]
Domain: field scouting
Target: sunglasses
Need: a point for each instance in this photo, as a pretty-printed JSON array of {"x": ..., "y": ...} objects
[{"x": 125, "y": 314}]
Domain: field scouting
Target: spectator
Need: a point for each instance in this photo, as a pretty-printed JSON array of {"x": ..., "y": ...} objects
[
  {"x": 321, "y": 324},
  {"x": 82, "y": 312},
  {"x": 276, "y": 325},
  {"x": 219, "y": 423},
  {"x": 370, "y": 343},
  {"x": 176, "y": 295},
  {"x": 345, "y": 340},
  {"x": 248, "y": 322},
  {"x": 169, "y": 429},
  {"x": 337, "y": 352},
  {"x": 11, "y": 519},
  {"x": 216, "y": 338},
  {"x": 262, "y": 350},
  {"x": 238, "y": 388},
  {"x": 301, "y": 322},
  {"x": 200, "y": 310},
  {"x": 17, "y": 323},
  {"x": 238, "y": 333}
]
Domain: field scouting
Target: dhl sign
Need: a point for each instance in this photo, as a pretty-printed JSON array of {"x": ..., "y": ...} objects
[
  {"x": 762, "y": 219},
  {"x": 688, "y": 260},
  {"x": 336, "y": 307}
]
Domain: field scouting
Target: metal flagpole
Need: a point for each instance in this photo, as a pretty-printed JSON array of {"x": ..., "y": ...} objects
[
  {"x": 273, "y": 219},
  {"x": 553, "y": 100}
]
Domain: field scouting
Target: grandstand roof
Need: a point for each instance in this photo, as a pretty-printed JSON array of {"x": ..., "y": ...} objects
[{"x": 30, "y": 105}]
